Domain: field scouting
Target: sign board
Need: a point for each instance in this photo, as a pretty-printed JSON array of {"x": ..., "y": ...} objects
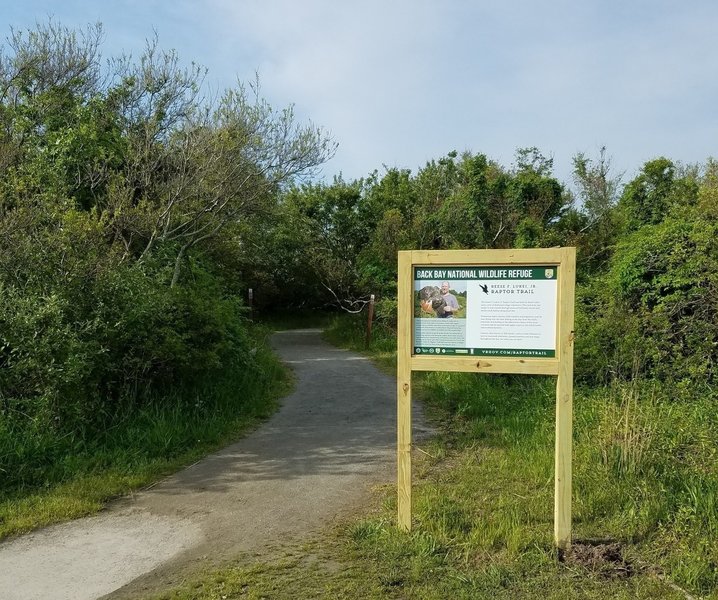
[{"x": 490, "y": 311}]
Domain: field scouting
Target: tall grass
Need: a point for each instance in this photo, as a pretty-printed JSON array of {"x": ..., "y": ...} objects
[
  {"x": 350, "y": 331},
  {"x": 46, "y": 478},
  {"x": 645, "y": 476},
  {"x": 647, "y": 471}
]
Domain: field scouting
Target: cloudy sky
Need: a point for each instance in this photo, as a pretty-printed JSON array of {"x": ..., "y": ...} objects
[{"x": 401, "y": 82}]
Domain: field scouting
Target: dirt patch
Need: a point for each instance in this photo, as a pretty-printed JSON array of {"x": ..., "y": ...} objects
[{"x": 603, "y": 558}]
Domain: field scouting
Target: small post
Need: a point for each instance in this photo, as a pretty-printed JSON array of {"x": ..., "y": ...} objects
[
  {"x": 369, "y": 320},
  {"x": 250, "y": 301}
]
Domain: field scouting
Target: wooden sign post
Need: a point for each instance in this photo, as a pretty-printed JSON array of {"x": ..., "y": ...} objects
[{"x": 517, "y": 317}]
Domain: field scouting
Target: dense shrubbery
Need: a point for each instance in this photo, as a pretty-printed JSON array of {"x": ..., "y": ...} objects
[
  {"x": 127, "y": 207},
  {"x": 348, "y": 234},
  {"x": 115, "y": 186},
  {"x": 647, "y": 255},
  {"x": 652, "y": 311}
]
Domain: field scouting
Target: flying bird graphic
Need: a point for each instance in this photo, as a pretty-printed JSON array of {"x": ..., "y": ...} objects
[{"x": 485, "y": 288}]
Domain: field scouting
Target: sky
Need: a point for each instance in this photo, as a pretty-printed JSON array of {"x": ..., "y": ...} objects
[{"x": 399, "y": 83}]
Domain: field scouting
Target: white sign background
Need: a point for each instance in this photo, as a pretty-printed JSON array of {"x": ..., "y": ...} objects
[{"x": 514, "y": 314}]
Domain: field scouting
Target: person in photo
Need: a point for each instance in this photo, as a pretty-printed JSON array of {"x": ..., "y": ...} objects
[{"x": 451, "y": 303}]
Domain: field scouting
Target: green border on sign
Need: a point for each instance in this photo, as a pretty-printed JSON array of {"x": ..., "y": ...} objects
[{"x": 512, "y": 352}]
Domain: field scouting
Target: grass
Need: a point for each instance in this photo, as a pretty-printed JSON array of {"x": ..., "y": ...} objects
[
  {"x": 645, "y": 513},
  {"x": 80, "y": 475},
  {"x": 350, "y": 332}
]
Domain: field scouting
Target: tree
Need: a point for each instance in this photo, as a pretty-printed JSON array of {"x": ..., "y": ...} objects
[
  {"x": 114, "y": 183},
  {"x": 597, "y": 186},
  {"x": 322, "y": 234},
  {"x": 660, "y": 187},
  {"x": 598, "y": 190},
  {"x": 228, "y": 165},
  {"x": 532, "y": 160}
]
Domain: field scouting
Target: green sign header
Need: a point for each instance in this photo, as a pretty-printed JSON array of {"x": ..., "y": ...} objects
[{"x": 485, "y": 273}]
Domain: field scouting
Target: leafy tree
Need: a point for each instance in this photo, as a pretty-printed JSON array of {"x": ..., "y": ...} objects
[
  {"x": 329, "y": 234},
  {"x": 658, "y": 187},
  {"x": 652, "y": 312},
  {"x": 129, "y": 204},
  {"x": 596, "y": 229},
  {"x": 349, "y": 234}
]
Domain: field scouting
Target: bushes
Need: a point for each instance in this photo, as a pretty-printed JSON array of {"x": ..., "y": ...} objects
[
  {"x": 87, "y": 337},
  {"x": 128, "y": 204},
  {"x": 71, "y": 364},
  {"x": 651, "y": 311},
  {"x": 338, "y": 243},
  {"x": 654, "y": 311},
  {"x": 72, "y": 372},
  {"x": 43, "y": 356}
]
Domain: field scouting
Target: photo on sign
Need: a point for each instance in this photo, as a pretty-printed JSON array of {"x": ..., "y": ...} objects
[{"x": 440, "y": 300}]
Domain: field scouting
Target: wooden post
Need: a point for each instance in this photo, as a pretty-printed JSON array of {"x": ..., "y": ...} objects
[
  {"x": 564, "y": 402},
  {"x": 250, "y": 301},
  {"x": 403, "y": 382},
  {"x": 369, "y": 320}
]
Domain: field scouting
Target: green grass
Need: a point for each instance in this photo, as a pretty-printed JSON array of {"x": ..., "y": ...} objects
[
  {"x": 351, "y": 332},
  {"x": 631, "y": 485},
  {"x": 645, "y": 480},
  {"x": 74, "y": 477}
]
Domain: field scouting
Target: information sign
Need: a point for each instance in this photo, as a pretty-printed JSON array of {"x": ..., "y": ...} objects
[{"x": 488, "y": 311}]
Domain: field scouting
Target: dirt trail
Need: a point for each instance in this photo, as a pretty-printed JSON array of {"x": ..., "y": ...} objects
[{"x": 310, "y": 463}]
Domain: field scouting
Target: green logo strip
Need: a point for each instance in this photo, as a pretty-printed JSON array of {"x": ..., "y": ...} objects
[
  {"x": 497, "y": 352},
  {"x": 485, "y": 273}
]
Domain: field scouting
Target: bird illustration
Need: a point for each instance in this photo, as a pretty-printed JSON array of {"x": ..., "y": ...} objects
[
  {"x": 432, "y": 300},
  {"x": 484, "y": 287}
]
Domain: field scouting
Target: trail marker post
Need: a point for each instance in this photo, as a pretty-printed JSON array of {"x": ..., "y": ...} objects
[
  {"x": 370, "y": 319},
  {"x": 517, "y": 317}
]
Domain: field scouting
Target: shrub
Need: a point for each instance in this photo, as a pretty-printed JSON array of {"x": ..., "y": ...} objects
[{"x": 654, "y": 311}]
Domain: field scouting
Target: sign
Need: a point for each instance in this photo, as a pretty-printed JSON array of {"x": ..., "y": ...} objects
[{"x": 489, "y": 310}]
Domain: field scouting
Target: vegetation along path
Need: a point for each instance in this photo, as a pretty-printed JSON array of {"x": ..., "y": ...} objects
[{"x": 314, "y": 460}]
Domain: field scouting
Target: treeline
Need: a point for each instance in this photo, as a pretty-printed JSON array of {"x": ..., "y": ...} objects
[
  {"x": 131, "y": 200},
  {"x": 647, "y": 250}
]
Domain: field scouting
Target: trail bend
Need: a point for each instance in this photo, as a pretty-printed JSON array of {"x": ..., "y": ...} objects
[{"x": 314, "y": 461}]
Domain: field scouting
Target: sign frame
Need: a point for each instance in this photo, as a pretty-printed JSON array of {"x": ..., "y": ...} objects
[{"x": 561, "y": 365}]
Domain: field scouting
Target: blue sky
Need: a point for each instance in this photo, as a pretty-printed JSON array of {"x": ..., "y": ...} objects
[{"x": 398, "y": 83}]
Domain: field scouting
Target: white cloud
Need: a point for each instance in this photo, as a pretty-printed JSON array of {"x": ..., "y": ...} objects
[{"x": 402, "y": 82}]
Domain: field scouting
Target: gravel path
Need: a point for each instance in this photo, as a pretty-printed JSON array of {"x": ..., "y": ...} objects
[{"x": 312, "y": 462}]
